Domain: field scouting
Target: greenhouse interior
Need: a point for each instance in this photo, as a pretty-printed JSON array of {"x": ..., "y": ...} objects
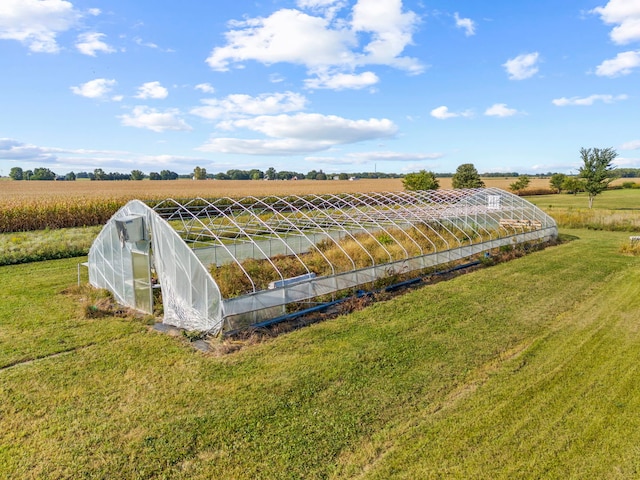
[{"x": 225, "y": 264}]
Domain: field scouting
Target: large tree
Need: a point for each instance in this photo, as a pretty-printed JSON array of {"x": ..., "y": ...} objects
[
  {"x": 597, "y": 170},
  {"x": 16, "y": 173},
  {"x": 422, "y": 180},
  {"x": 466, "y": 176},
  {"x": 199, "y": 173},
  {"x": 557, "y": 181}
]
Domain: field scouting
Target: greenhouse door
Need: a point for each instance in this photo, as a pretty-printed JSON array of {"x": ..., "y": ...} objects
[{"x": 142, "y": 281}]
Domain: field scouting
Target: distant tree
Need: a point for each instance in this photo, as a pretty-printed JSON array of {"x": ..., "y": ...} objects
[
  {"x": 421, "y": 180},
  {"x": 597, "y": 170},
  {"x": 199, "y": 173},
  {"x": 168, "y": 175},
  {"x": 557, "y": 181},
  {"x": 99, "y": 174},
  {"x": 43, "y": 174},
  {"x": 520, "y": 184},
  {"x": 343, "y": 176},
  {"x": 154, "y": 176},
  {"x": 321, "y": 175},
  {"x": 256, "y": 174},
  {"x": 311, "y": 175},
  {"x": 221, "y": 176},
  {"x": 27, "y": 174},
  {"x": 466, "y": 176},
  {"x": 82, "y": 175},
  {"x": 271, "y": 173},
  {"x": 16, "y": 173},
  {"x": 70, "y": 176},
  {"x": 236, "y": 174},
  {"x": 137, "y": 175},
  {"x": 573, "y": 185}
]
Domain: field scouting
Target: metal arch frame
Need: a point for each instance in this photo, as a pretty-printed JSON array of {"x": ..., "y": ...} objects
[{"x": 256, "y": 222}]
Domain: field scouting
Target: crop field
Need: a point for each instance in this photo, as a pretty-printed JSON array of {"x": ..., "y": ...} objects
[
  {"x": 525, "y": 369},
  {"x": 38, "y": 205},
  {"x": 12, "y": 192}
]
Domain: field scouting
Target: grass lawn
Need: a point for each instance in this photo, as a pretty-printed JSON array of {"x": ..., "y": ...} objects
[{"x": 527, "y": 369}]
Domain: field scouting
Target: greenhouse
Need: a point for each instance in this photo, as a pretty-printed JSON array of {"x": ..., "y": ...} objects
[{"x": 222, "y": 264}]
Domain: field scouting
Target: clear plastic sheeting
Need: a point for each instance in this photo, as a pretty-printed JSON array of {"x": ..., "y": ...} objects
[
  {"x": 227, "y": 262},
  {"x": 190, "y": 297}
]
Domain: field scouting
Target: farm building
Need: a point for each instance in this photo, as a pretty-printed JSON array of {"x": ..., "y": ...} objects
[{"x": 226, "y": 263}]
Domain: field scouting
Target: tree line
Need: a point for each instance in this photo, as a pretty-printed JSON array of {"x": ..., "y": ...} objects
[{"x": 199, "y": 173}]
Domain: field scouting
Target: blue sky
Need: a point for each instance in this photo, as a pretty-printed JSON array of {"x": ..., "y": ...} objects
[{"x": 337, "y": 85}]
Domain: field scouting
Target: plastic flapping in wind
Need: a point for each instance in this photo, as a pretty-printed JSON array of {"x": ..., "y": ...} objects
[{"x": 226, "y": 263}]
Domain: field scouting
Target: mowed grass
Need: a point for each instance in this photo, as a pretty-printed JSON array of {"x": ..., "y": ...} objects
[
  {"x": 527, "y": 369},
  {"x": 613, "y": 210}
]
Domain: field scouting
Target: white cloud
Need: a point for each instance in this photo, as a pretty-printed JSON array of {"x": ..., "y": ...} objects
[
  {"x": 500, "y": 110},
  {"x": 152, "y": 119},
  {"x": 442, "y": 113},
  {"x": 391, "y": 31},
  {"x": 152, "y": 90},
  {"x": 142, "y": 43},
  {"x": 328, "y": 8},
  {"x": 205, "y": 88},
  {"x": 342, "y": 81},
  {"x": 622, "y": 64},
  {"x": 36, "y": 23},
  {"x": 368, "y": 157},
  {"x": 587, "y": 101},
  {"x": 98, "y": 88},
  {"x": 285, "y": 36},
  {"x": 376, "y": 34},
  {"x": 242, "y": 105},
  {"x": 522, "y": 67},
  {"x": 14, "y": 150},
  {"x": 300, "y": 133},
  {"x": 626, "y": 15},
  {"x": 90, "y": 43},
  {"x": 632, "y": 145},
  {"x": 317, "y": 127},
  {"x": 466, "y": 24}
]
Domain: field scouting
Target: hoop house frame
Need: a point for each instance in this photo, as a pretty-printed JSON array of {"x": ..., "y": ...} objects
[{"x": 226, "y": 262}]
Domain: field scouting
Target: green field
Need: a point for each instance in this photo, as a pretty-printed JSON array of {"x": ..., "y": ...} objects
[{"x": 527, "y": 369}]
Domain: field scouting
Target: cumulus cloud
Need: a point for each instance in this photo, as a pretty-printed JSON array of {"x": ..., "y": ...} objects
[
  {"x": 90, "y": 43},
  {"x": 300, "y": 133},
  {"x": 376, "y": 33},
  {"x": 205, "y": 88},
  {"x": 622, "y": 64},
  {"x": 466, "y": 24},
  {"x": 442, "y": 113},
  {"x": 98, "y": 88},
  {"x": 242, "y": 105},
  {"x": 523, "y": 66},
  {"x": 626, "y": 15},
  {"x": 587, "y": 101},
  {"x": 36, "y": 24},
  {"x": 152, "y": 90},
  {"x": 342, "y": 81},
  {"x": 154, "y": 120},
  {"x": 500, "y": 110}
]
